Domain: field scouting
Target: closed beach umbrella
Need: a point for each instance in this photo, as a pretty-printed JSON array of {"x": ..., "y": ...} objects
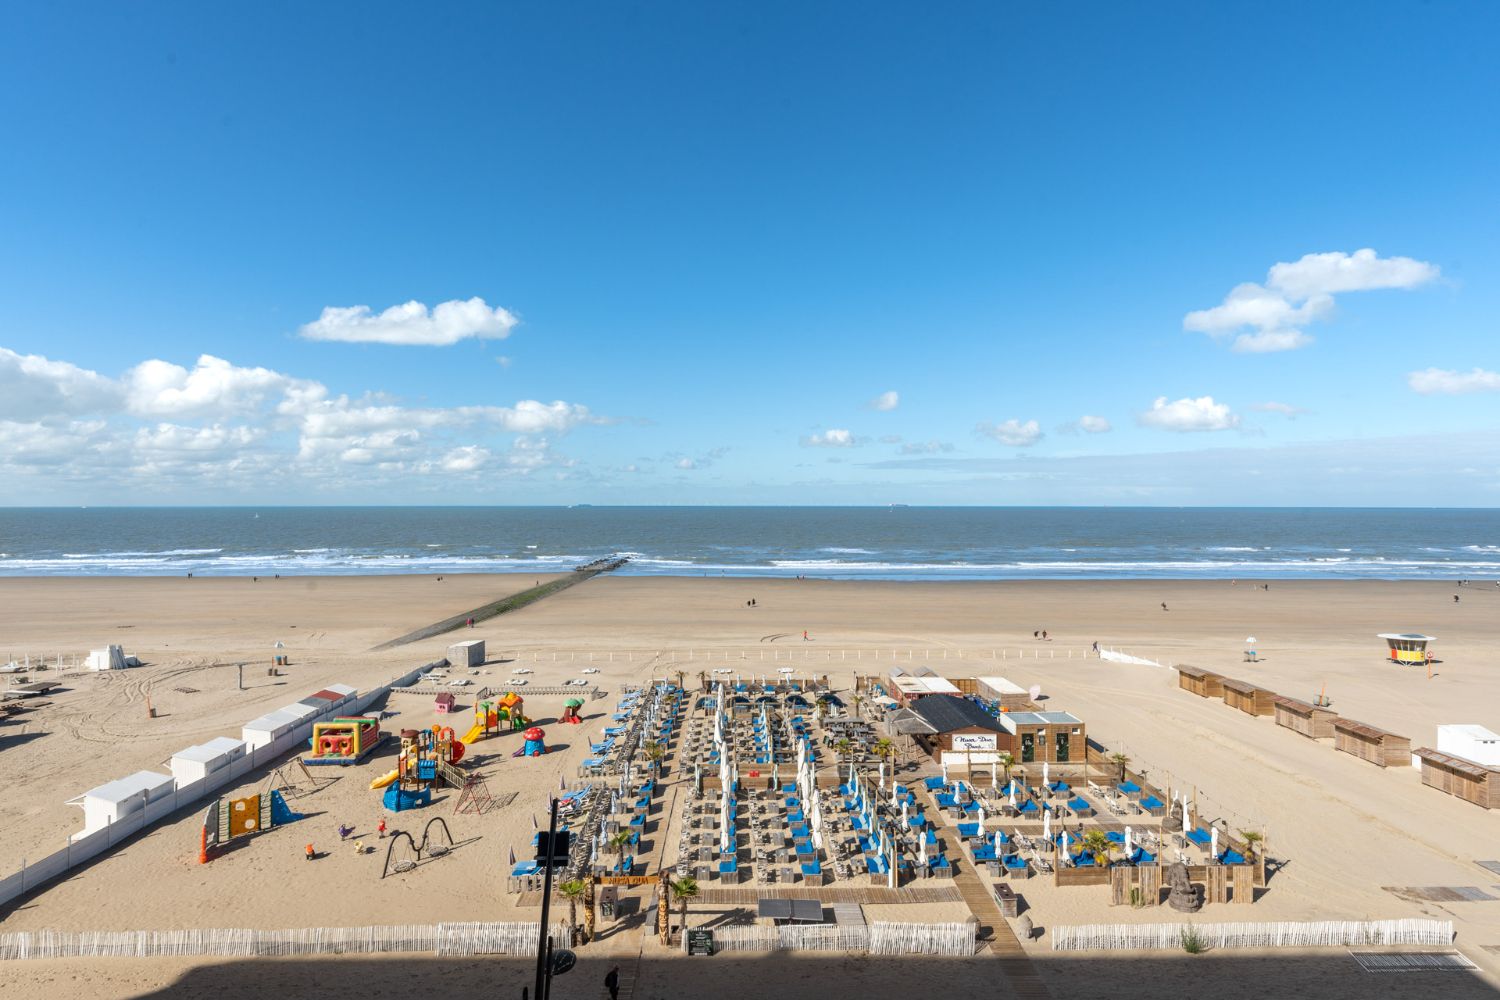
[
  {"x": 905, "y": 822},
  {"x": 993, "y": 783},
  {"x": 1013, "y": 795},
  {"x": 1187, "y": 823},
  {"x": 945, "y": 772},
  {"x": 981, "y": 820},
  {"x": 1129, "y": 842},
  {"x": 1045, "y": 780},
  {"x": 1047, "y": 825},
  {"x": 922, "y": 849},
  {"x": 998, "y": 848},
  {"x": 1213, "y": 847}
]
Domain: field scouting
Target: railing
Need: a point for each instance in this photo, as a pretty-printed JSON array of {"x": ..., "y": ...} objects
[{"x": 880, "y": 938}]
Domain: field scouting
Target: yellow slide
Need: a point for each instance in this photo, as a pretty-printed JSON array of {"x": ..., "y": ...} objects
[
  {"x": 472, "y": 734},
  {"x": 384, "y": 779}
]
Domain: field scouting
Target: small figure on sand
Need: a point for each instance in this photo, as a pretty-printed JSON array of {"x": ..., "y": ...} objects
[
  {"x": 1096, "y": 648},
  {"x": 344, "y": 831},
  {"x": 311, "y": 854},
  {"x": 1164, "y": 605},
  {"x": 612, "y": 982},
  {"x": 804, "y": 636},
  {"x": 381, "y": 829},
  {"x": 471, "y": 623},
  {"x": 359, "y": 847},
  {"x": 1455, "y": 598}
]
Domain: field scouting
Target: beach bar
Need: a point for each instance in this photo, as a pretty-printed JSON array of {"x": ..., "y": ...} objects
[
  {"x": 1310, "y": 720},
  {"x": 1051, "y": 737},
  {"x": 1368, "y": 743},
  {"x": 1407, "y": 647},
  {"x": 1248, "y": 698},
  {"x": 1203, "y": 683},
  {"x": 1461, "y": 778}
]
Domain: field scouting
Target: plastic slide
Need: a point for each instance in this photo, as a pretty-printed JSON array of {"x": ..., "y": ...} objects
[
  {"x": 472, "y": 734},
  {"x": 385, "y": 779}
]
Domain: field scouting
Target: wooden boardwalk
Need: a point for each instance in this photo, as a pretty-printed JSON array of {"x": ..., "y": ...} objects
[{"x": 994, "y": 932}]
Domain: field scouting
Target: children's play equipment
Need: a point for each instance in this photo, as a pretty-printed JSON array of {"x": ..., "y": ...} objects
[
  {"x": 490, "y": 713},
  {"x": 1407, "y": 647},
  {"x": 404, "y": 854},
  {"x": 570, "y": 714},
  {"x": 535, "y": 744},
  {"x": 344, "y": 741},
  {"x": 228, "y": 819},
  {"x": 427, "y": 757}
]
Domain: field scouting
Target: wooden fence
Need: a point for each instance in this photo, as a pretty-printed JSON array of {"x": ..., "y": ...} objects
[{"x": 1308, "y": 934}]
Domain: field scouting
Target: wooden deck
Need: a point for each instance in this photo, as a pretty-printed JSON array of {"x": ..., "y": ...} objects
[{"x": 831, "y": 894}]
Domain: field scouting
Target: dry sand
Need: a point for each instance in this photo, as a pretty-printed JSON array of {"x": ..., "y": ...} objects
[{"x": 1346, "y": 828}]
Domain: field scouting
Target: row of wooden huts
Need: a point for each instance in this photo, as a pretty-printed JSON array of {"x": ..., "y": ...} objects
[{"x": 1458, "y": 776}]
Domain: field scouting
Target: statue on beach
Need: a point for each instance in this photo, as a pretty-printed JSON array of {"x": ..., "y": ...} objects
[{"x": 1183, "y": 895}]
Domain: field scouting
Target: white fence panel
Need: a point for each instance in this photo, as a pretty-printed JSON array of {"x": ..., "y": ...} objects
[{"x": 1306, "y": 934}]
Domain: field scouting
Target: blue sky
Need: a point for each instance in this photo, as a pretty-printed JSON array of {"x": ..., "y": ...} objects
[{"x": 707, "y": 239}]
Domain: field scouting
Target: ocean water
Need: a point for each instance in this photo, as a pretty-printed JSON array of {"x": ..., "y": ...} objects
[{"x": 946, "y": 543}]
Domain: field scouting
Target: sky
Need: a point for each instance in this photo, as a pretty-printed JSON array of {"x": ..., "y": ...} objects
[{"x": 685, "y": 253}]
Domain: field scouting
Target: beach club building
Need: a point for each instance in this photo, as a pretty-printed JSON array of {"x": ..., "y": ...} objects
[
  {"x": 909, "y": 689},
  {"x": 959, "y": 733}
]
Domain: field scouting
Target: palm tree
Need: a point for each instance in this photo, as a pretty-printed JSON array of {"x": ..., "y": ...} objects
[
  {"x": 843, "y": 746},
  {"x": 619, "y": 842},
  {"x": 573, "y": 890},
  {"x": 1005, "y": 760},
  {"x": 1099, "y": 845},
  {"x": 654, "y": 753},
  {"x": 1253, "y": 841},
  {"x": 884, "y": 748},
  {"x": 685, "y": 889},
  {"x": 820, "y": 709},
  {"x": 1121, "y": 759},
  {"x": 857, "y": 700}
]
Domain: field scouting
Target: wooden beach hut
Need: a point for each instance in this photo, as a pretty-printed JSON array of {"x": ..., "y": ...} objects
[
  {"x": 1247, "y": 697},
  {"x": 1203, "y": 683},
  {"x": 1312, "y": 721},
  {"x": 1462, "y": 778},
  {"x": 1368, "y": 743}
]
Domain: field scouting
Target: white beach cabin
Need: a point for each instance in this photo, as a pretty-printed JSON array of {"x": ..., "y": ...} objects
[
  {"x": 112, "y": 802},
  {"x": 267, "y": 729},
  {"x": 204, "y": 760},
  {"x": 1471, "y": 742}
]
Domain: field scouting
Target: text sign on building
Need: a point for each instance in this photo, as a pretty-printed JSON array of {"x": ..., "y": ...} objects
[{"x": 973, "y": 741}]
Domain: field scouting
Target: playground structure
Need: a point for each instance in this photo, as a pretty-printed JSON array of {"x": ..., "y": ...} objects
[
  {"x": 1408, "y": 647},
  {"x": 229, "y": 819},
  {"x": 344, "y": 741},
  {"x": 427, "y": 758},
  {"x": 570, "y": 714},
  {"x": 535, "y": 745},
  {"x": 490, "y": 712},
  {"x": 435, "y": 844}
]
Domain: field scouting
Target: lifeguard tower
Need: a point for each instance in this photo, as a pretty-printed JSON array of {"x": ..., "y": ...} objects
[{"x": 1408, "y": 647}]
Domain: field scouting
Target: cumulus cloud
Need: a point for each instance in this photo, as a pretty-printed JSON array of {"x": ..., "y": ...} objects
[
  {"x": 162, "y": 422},
  {"x": 1285, "y": 409},
  {"x": 834, "y": 437},
  {"x": 34, "y": 386},
  {"x": 1440, "y": 380},
  {"x": 885, "y": 402},
  {"x": 1200, "y": 414},
  {"x": 1013, "y": 432},
  {"x": 686, "y": 463},
  {"x": 1270, "y": 317},
  {"x": 412, "y": 323}
]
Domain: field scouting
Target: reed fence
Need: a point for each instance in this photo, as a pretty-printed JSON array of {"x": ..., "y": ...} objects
[
  {"x": 455, "y": 939},
  {"x": 1305, "y": 934},
  {"x": 880, "y": 938}
]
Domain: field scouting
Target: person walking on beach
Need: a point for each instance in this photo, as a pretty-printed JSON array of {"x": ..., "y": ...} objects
[
  {"x": 804, "y": 635},
  {"x": 612, "y": 983},
  {"x": 1164, "y": 605}
]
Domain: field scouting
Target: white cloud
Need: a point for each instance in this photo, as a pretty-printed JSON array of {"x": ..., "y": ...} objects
[
  {"x": 468, "y": 458},
  {"x": 412, "y": 323},
  {"x": 33, "y": 387},
  {"x": 1093, "y": 425},
  {"x": 686, "y": 463},
  {"x": 1270, "y": 317},
  {"x": 1441, "y": 380},
  {"x": 885, "y": 402},
  {"x": 196, "y": 441},
  {"x": 1013, "y": 432},
  {"x": 1361, "y": 271},
  {"x": 1285, "y": 409},
  {"x": 834, "y": 437},
  {"x": 1201, "y": 414},
  {"x": 214, "y": 387}
]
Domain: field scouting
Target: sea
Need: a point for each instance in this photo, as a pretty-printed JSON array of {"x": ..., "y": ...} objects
[{"x": 872, "y": 543}]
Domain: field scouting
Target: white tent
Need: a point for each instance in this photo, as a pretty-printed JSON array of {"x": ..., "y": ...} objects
[{"x": 108, "y": 658}]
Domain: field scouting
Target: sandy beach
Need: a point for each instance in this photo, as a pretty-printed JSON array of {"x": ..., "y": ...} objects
[{"x": 1348, "y": 831}]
